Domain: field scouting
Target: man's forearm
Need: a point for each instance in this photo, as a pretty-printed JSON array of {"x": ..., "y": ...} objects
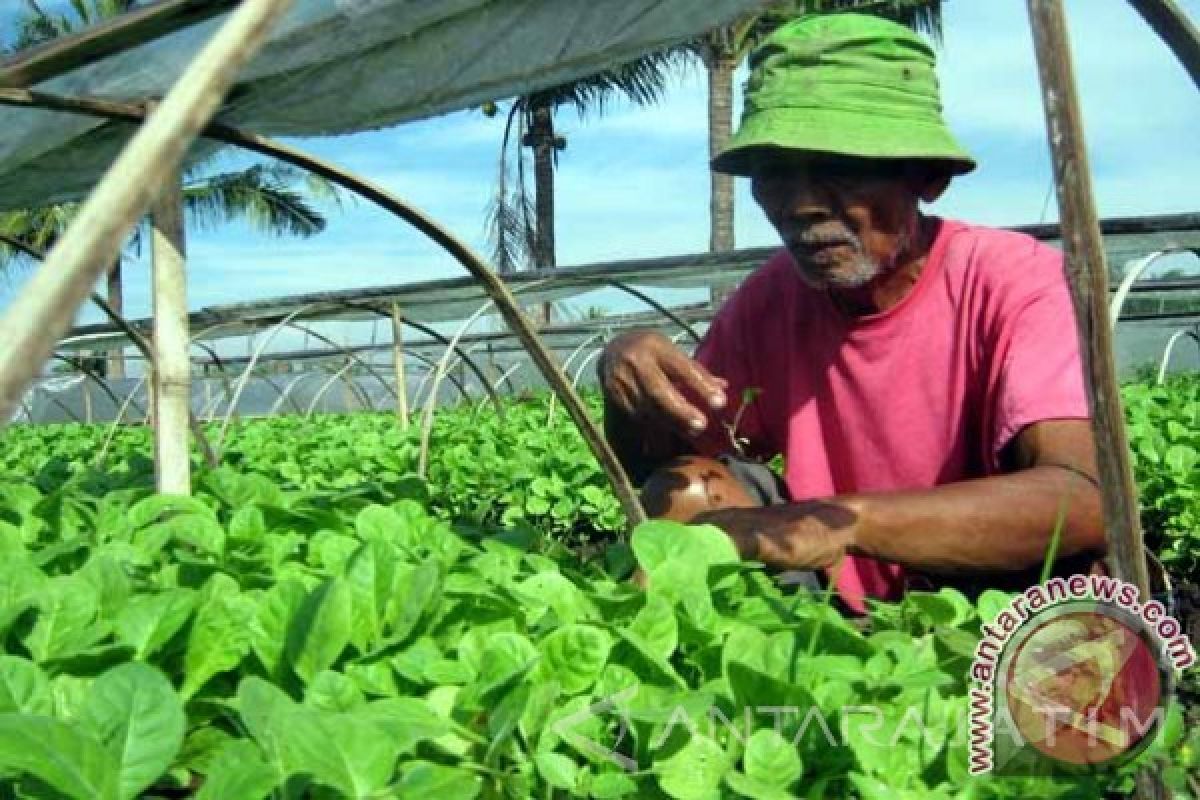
[{"x": 999, "y": 523}]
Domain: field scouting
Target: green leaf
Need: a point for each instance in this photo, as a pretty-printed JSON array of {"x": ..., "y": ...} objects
[
  {"x": 415, "y": 592},
  {"x": 505, "y": 657},
  {"x": 67, "y": 610},
  {"x": 695, "y": 771},
  {"x": 659, "y": 543},
  {"x": 21, "y": 584},
  {"x": 158, "y": 506},
  {"x": 611, "y": 784},
  {"x": 754, "y": 788},
  {"x": 148, "y": 621},
  {"x": 58, "y": 755},
  {"x": 656, "y": 627},
  {"x": 771, "y": 759},
  {"x": 333, "y": 691},
  {"x": 370, "y": 577},
  {"x": 23, "y": 687},
  {"x": 219, "y": 639},
  {"x": 405, "y": 721},
  {"x": 134, "y": 712},
  {"x": 558, "y": 770},
  {"x": 551, "y": 590},
  {"x": 575, "y": 655},
  {"x": 238, "y": 772},
  {"x": 269, "y": 631},
  {"x": 424, "y": 779},
  {"x": 320, "y": 630},
  {"x": 346, "y": 752}
]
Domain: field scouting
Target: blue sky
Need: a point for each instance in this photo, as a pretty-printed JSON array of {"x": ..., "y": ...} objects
[{"x": 633, "y": 184}]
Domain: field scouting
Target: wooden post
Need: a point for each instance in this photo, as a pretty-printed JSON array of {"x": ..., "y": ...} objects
[
  {"x": 172, "y": 368},
  {"x": 86, "y": 392},
  {"x": 44, "y": 309},
  {"x": 1088, "y": 277},
  {"x": 398, "y": 366}
]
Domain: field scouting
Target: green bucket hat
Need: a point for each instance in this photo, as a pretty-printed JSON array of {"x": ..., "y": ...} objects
[{"x": 844, "y": 84}]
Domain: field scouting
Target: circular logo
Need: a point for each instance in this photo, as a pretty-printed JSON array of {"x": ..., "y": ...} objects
[{"x": 1083, "y": 684}]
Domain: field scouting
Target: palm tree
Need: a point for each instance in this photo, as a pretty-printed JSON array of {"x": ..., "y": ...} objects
[
  {"x": 722, "y": 50},
  {"x": 274, "y": 198},
  {"x": 521, "y": 230}
]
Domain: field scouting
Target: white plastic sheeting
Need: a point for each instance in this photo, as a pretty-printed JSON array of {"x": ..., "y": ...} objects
[{"x": 340, "y": 66}]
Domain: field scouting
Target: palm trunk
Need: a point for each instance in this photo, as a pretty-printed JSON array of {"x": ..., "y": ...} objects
[
  {"x": 541, "y": 137},
  {"x": 720, "y": 127},
  {"x": 115, "y": 296}
]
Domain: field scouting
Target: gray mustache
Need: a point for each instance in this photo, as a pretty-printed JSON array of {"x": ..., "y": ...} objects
[{"x": 823, "y": 239}]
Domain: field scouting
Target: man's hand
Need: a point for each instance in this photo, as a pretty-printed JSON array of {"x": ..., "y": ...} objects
[
  {"x": 642, "y": 374},
  {"x": 810, "y": 535}
]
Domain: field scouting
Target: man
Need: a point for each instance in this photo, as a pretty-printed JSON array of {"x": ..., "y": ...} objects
[{"x": 921, "y": 377}]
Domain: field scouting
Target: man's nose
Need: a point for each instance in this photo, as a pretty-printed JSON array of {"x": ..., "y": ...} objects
[{"x": 806, "y": 200}]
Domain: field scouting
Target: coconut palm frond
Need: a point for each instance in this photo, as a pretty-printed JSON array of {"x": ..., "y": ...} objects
[
  {"x": 510, "y": 228},
  {"x": 253, "y": 195},
  {"x": 920, "y": 15},
  {"x": 643, "y": 81}
]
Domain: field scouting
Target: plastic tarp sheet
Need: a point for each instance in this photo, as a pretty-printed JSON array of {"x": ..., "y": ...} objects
[{"x": 340, "y": 66}]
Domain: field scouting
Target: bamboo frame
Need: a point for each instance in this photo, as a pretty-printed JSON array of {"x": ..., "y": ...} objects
[
  {"x": 171, "y": 373},
  {"x": 43, "y": 311},
  {"x": 1088, "y": 278},
  {"x": 398, "y": 367},
  {"x": 131, "y": 29},
  {"x": 431, "y": 401},
  {"x": 433, "y": 334},
  {"x": 1176, "y": 30}
]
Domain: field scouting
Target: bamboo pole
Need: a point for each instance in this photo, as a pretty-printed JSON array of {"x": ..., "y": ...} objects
[
  {"x": 398, "y": 366},
  {"x": 1088, "y": 278},
  {"x": 43, "y": 311},
  {"x": 172, "y": 366},
  {"x": 1175, "y": 29},
  {"x": 131, "y": 29}
]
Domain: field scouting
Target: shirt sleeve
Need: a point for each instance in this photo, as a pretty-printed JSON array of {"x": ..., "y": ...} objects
[
  {"x": 724, "y": 351},
  {"x": 1041, "y": 372}
]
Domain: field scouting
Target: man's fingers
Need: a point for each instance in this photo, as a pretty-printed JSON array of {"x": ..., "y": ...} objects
[
  {"x": 672, "y": 406},
  {"x": 693, "y": 375}
]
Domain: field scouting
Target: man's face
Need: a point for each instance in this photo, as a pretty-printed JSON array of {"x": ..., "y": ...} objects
[{"x": 844, "y": 220}]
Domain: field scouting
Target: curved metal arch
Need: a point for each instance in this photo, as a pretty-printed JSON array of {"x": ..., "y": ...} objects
[
  {"x": 333, "y": 378},
  {"x": 244, "y": 378},
  {"x": 270, "y": 382},
  {"x": 1166, "y": 359},
  {"x": 349, "y": 354},
  {"x": 567, "y": 366},
  {"x": 135, "y": 336},
  {"x": 50, "y": 396},
  {"x": 657, "y": 306},
  {"x": 427, "y": 413},
  {"x": 1133, "y": 273},
  {"x": 495, "y": 288},
  {"x": 91, "y": 375},
  {"x": 116, "y": 423},
  {"x": 432, "y": 364},
  {"x": 440, "y": 339}
]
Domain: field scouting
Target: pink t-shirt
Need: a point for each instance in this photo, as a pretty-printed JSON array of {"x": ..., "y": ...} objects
[{"x": 926, "y": 393}]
